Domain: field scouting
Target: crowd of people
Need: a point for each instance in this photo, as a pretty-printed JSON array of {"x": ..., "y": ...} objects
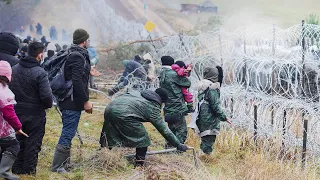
[
  {"x": 53, "y": 32},
  {"x": 34, "y": 75}
]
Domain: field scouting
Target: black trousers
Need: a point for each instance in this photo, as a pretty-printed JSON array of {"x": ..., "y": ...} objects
[
  {"x": 140, "y": 156},
  {"x": 9, "y": 144},
  {"x": 27, "y": 160}
]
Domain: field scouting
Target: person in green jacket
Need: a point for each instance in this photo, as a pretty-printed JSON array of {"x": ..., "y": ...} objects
[
  {"x": 210, "y": 111},
  {"x": 123, "y": 120},
  {"x": 175, "y": 108}
]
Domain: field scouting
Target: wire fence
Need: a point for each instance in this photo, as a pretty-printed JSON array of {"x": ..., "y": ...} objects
[{"x": 271, "y": 83}]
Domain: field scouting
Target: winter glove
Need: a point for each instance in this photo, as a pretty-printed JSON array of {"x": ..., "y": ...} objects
[{"x": 182, "y": 148}]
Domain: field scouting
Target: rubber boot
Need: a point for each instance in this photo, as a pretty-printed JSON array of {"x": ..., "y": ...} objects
[
  {"x": 60, "y": 159},
  {"x": 6, "y": 163},
  {"x": 140, "y": 156}
]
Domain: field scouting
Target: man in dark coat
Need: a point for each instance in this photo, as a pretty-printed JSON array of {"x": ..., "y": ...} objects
[
  {"x": 39, "y": 29},
  {"x": 77, "y": 69},
  {"x": 44, "y": 40},
  {"x": 124, "y": 117},
  {"x": 53, "y": 33},
  {"x": 175, "y": 109},
  {"x": 132, "y": 69},
  {"x": 33, "y": 94},
  {"x": 9, "y": 46},
  {"x": 31, "y": 28}
]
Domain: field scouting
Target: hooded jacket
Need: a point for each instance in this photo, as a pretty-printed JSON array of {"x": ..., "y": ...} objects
[
  {"x": 170, "y": 81},
  {"x": 124, "y": 116},
  {"x": 77, "y": 69},
  {"x": 210, "y": 112},
  {"x": 9, "y": 122},
  {"x": 31, "y": 87}
]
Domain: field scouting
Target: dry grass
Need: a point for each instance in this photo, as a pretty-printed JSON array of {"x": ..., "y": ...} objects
[{"x": 234, "y": 157}]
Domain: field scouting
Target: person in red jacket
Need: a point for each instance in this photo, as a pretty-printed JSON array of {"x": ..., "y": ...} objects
[
  {"x": 9, "y": 124},
  {"x": 184, "y": 71}
]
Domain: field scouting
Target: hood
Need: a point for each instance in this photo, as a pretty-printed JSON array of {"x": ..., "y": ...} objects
[
  {"x": 81, "y": 50},
  {"x": 92, "y": 52},
  {"x": 147, "y": 57},
  {"x": 151, "y": 96},
  {"x": 29, "y": 62},
  {"x": 166, "y": 67},
  {"x": 51, "y": 47},
  {"x": 205, "y": 84}
]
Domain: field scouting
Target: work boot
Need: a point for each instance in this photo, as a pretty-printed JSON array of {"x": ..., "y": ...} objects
[
  {"x": 60, "y": 159},
  {"x": 140, "y": 156},
  {"x": 6, "y": 163}
]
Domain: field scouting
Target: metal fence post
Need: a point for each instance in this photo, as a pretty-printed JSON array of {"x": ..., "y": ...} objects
[
  {"x": 255, "y": 124},
  {"x": 304, "y": 146},
  {"x": 232, "y": 107},
  {"x": 284, "y": 130}
]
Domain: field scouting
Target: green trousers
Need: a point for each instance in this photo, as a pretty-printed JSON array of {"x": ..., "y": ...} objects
[
  {"x": 180, "y": 130},
  {"x": 207, "y": 143}
]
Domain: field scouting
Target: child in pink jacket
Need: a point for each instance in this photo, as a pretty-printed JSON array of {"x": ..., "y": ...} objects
[
  {"x": 184, "y": 71},
  {"x": 9, "y": 124}
]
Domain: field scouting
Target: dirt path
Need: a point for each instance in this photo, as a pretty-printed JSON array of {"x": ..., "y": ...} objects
[{"x": 136, "y": 8}]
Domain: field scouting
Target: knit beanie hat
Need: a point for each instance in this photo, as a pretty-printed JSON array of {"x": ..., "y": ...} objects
[
  {"x": 9, "y": 43},
  {"x": 181, "y": 64},
  {"x": 5, "y": 70},
  {"x": 167, "y": 60},
  {"x": 163, "y": 94},
  {"x": 79, "y": 36},
  {"x": 211, "y": 74}
]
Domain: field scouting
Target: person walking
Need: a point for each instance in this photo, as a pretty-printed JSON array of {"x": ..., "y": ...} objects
[
  {"x": 210, "y": 113},
  {"x": 175, "y": 109}
]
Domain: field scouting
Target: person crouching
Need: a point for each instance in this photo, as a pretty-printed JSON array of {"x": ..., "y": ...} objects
[{"x": 123, "y": 122}]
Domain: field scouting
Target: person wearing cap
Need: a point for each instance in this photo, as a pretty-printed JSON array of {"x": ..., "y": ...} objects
[
  {"x": 9, "y": 46},
  {"x": 77, "y": 69},
  {"x": 210, "y": 113},
  {"x": 175, "y": 109},
  {"x": 31, "y": 87},
  {"x": 123, "y": 120},
  {"x": 9, "y": 124}
]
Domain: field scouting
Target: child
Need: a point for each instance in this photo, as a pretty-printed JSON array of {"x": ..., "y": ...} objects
[
  {"x": 9, "y": 123},
  {"x": 184, "y": 71},
  {"x": 210, "y": 112}
]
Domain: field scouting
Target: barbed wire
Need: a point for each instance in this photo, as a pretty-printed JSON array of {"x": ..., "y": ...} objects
[{"x": 273, "y": 70}]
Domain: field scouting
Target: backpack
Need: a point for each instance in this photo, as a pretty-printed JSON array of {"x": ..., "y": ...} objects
[{"x": 61, "y": 89}]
